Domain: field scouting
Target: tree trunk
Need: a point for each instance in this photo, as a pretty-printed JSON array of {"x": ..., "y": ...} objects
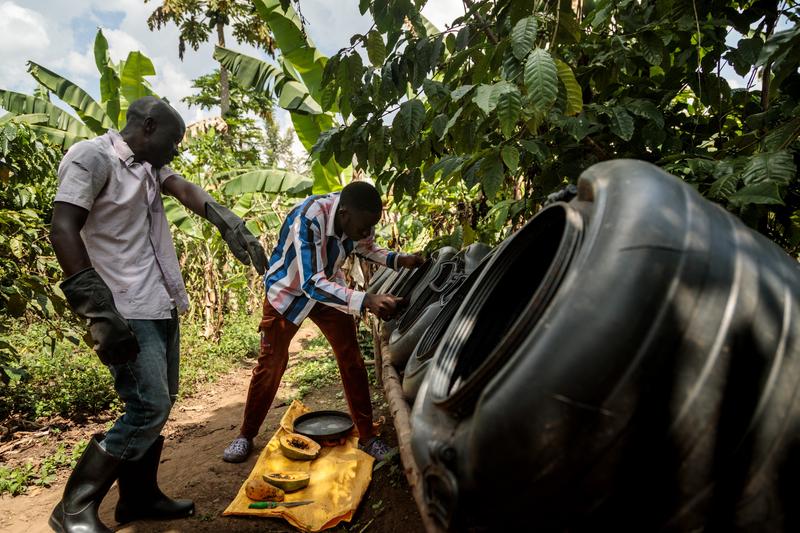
[{"x": 224, "y": 88}]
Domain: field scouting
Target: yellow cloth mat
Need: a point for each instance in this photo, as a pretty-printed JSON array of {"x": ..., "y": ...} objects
[{"x": 340, "y": 476}]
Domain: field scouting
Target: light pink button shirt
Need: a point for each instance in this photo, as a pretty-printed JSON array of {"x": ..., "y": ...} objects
[{"x": 126, "y": 233}]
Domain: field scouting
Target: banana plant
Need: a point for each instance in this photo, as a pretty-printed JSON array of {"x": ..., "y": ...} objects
[
  {"x": 120, "y": 84},
  {"x": 296, "y": 82},
  {"x": 240, "y": 185}
]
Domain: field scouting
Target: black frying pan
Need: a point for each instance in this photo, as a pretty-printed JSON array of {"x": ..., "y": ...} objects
[{"x": 323, "y": 425}]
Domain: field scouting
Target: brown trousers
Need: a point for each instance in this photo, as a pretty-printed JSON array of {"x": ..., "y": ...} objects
[{"x": 276, "y": 334}]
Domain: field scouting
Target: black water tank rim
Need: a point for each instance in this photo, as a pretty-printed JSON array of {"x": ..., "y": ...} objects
[
  {"x": 451, "y": 300},
  {"x": 450, "y": 303},
  {"x": 427, "y": 296},
  {"x": 461, "y": 399},
  {"x": 405, "y": 285}
]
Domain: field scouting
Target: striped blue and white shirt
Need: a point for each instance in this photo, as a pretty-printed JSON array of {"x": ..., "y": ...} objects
[{"x": 305, "y": 266}]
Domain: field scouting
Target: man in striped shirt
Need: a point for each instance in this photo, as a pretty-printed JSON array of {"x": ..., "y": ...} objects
[{"x": 305, "y": 280}]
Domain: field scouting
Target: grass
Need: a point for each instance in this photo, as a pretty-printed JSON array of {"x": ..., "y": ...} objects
[
  {"x": 312, "y": 373},
  {"x": 15, "y": 481},
  {"x": 69, "y": 381},
  {"x": 315, "y": 344},
  {"x": 58, "y": 378},
  {"x": 317, "y": 366},
  {"x": 204, "y": 362}
]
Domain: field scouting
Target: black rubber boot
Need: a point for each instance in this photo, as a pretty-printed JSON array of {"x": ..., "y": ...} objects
[
  {"x": 87, "y": 485},
  {"x": 139, "y": 495}
]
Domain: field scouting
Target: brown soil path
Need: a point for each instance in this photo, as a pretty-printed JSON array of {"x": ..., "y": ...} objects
[{"x": 192, "y": 466}]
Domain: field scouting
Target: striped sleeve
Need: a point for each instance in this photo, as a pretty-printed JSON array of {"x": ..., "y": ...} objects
[
  {"x": 369, "y": 250},
  {"x": 314, "y": 283}
]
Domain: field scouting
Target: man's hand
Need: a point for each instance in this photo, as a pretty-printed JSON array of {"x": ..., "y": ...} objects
[
  {"x": 242, "y": 243},
  {"x": 384, "y": 306},
  {"x": 409, "y": 260},
  {"x": 90, "y": 298}
]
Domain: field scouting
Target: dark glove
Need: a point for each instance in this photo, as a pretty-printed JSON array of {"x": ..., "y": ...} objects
[
  {"x": 90, "y": 298},
  {"x": 242, "y": 243}
]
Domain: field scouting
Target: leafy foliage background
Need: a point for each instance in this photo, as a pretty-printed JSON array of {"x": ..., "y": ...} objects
[
  {"x": 466, "y": 129},
  {"x": 514, "y": 99}
]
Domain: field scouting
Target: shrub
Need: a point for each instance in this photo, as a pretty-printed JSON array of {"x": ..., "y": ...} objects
[
  {"x": 56, "y": 379},
  {"x": 71, "y": 382}
]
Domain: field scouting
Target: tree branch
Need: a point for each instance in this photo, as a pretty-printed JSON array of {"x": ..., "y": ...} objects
[{"x": 484, "y": 24}]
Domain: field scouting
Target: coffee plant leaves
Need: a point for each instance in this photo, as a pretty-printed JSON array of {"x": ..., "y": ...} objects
[
  {"x": 523, "y": 37},
  {"x": 541, "y": 79}
]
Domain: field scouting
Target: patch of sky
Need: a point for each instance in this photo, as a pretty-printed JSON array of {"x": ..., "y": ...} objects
[
  {"x": 109, "y": 19},
  {"x": 84, "y": 29},
  {"x": 732, "y": 39}
]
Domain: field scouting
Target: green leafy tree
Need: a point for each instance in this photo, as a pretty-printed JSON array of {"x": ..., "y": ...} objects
[
  {"x": 515, "y": 98},
  {"x": 28, "y": 267},
  {"x": 236, "y": 160},
  {"x": 215, "y": 282},
  {"x": 197, "y": 19},
  {"x": 240, "y": 124},
  {"x": 297, "y": 84},
  {"x": 250, "y": 123}
]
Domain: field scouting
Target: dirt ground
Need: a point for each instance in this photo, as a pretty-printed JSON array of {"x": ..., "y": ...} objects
[{"x": 192, "y": 467}]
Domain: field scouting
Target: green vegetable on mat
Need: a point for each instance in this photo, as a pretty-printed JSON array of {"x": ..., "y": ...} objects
[{"x": 272, "y": 505}]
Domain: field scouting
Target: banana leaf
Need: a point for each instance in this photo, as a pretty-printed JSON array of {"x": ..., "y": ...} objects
[
  {"x": 58, "y": 137},
  {"x": 296, "y": 98},
  {"x": 251, "y": 73},
  {"x": 109, "y": 79},
  {"x": 295, "y": 46},
  {"x": 132, "y": 83},
  {"x": 271, "y": 180},
  {"x": 179, "y": 217},
  {"x": 91, "y": 113},
  {"x": 58, "y": 119},
  {"x": 32, "y": 118}
]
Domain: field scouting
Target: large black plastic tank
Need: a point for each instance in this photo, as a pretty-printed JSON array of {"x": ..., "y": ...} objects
[
  {"x": 627, "y": 361},
  {"x": 446, "y": 276}
]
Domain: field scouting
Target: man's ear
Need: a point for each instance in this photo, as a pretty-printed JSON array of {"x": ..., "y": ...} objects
[{"x": 149, "y": 125}]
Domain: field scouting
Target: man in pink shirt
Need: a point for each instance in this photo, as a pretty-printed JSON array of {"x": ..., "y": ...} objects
[{"x": 112, "y": 240}]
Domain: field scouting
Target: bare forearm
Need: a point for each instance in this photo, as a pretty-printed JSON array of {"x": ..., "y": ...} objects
[
  {"x": 66, "y": 239},
  {"x": 70, "y": 252},
  {"x": 189, "y": 194}
]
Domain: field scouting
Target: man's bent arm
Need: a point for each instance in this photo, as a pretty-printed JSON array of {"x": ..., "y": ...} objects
[
  {"x": 369, "y": 250},
  {"x": 65, "y": 235},
  {"x": 187, "y": 193},
  {"x": 243, "y": 244},
  {"x": 315, "y": 283}
]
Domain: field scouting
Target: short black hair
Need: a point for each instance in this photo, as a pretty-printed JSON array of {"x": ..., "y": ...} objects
[{"x": 361, "y": 196}]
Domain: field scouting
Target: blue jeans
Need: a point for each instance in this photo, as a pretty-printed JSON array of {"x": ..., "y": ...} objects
[{"x": 148, "y": 386}]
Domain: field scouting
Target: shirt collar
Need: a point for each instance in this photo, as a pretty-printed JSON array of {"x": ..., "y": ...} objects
[
  {"x": 332, "y": 223},
  {"x": 124, "y": 151}
]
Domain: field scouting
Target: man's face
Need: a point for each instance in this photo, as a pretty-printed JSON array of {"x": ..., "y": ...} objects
[
  {"x": 358, "y": 224},
  {"x": 163, "y": 141}
]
